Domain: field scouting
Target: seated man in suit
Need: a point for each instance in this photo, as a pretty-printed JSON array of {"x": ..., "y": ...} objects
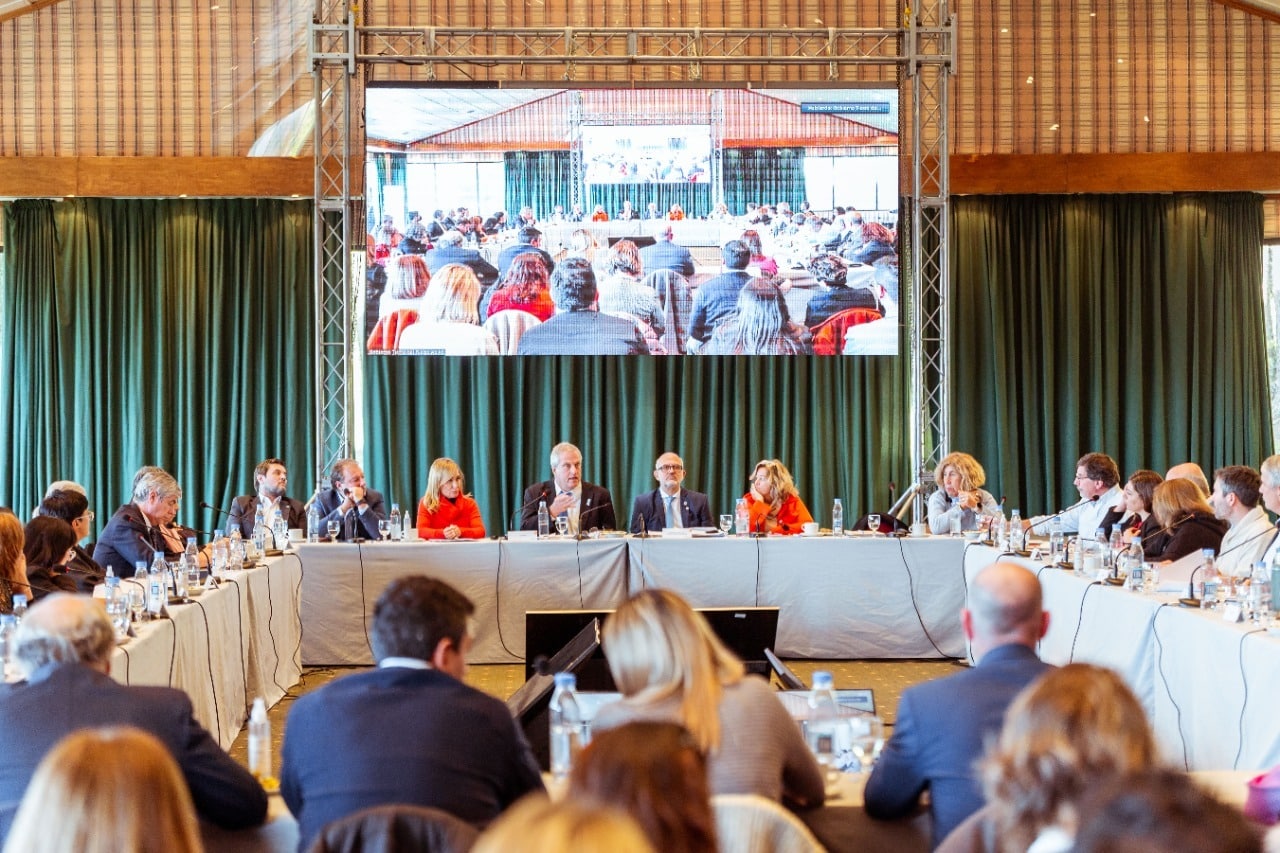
[
  {"x": 578, "y": 327},
  {"x": 943, "y": 724},
  {"x": 146, "y": 525},
  {"x": 271, "y": 478},
  {"x": 665, "y": 254},
  {"x": 409, "y": 731},
  {"x": 73, "y": 508},
  {"x": 528, "y": 241},
  {"x": 585, "y": 505},
  {"x": 669, "y": 505},
  {"x": 449, "y": 250},
  {"x": 716, "y": 301},
  {"x": 1236, "y": 492},
  {"x": 356, "y": 507},
  {"x": 64, "y": 646}
]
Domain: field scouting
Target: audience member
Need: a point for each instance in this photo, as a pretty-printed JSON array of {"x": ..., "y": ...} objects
[
  {"x": 676, "y": 298},
  {"x": 525, "y": 287},
  {"x": 64, "y": 646},
  {"x": 877, "y": 242},
  {"x": 350, "y": 502},
  {"x": 760, "y": 325},
  {"x": 671, "y": 667},
  {"x": 1137, "y": 519},
  {"x": 829, "y": 269},
  {"x": 449, "y": 317},
  {"x": 106, "y": 790},
  {"x": 716, "y": 300},
  {"x": 1235, "y": 501},
  {"x": 528, "y": 242},
  {"x": 578, "y": 327},
  {"x": 585, "y": 505},
  {"x": 47, "y": 544},
  {"x": 1180, "y": 508},
  {"x": 415, "y": 235},
  {"x": 655, "y": 773},
  {"x": 1097, "y": 481},
  {"x": 622, "y": 294},
  {"x": 409, "y": 731},
  {"x": 942, "y": 725},
  {"x": 445, "y": 512},
  {"x": 407, "y": 281},
  {"x": 449, "y": 250},
  {"x": 582, "y": 244},
  {"x": 13, "y": 563},
  {"x": 537, "y": 825},
  {"x": 666, "y": 254},
  {"x": 765, "y": 267},
  {"x": 773, "y": 503},
  {"x": 138, "y": 529},
  {"x": 1270, "y": 493},
  {"x": 669, "y": 505},
  {"x": 272, "y": 480},
  {"x": 960, "y": 477},
  {"x": 1190, "y": 471},
  {"x": 73, "y": 508}
]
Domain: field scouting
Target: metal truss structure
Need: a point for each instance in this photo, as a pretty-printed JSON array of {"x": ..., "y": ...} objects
[{"x": 340, "y": 50}]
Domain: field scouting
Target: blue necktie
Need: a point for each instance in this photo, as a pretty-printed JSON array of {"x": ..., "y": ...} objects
[{"x": 672, "y": 521}]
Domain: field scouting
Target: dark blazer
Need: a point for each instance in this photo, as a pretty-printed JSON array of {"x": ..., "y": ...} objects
[
  {"x": 375, "y": 510},
  {"x": 825, "y": 304},
  {"x": 245, "y": 508},
  {"x": 595, "y": 510},
  {"x": 714, "y": 302},
  {"x": 1200, "y": 531},
  {"x": 694, "y": 511},
  {"x": 121, "y": 546},
  {"x": 60, "y": 698},
  {"x": 666, "y": 255},
  {"x": 87, "y": 572},
  {"x": 940, "y": 733},
  {"x": 510, "y": 253},
  {"x": 438, "y": 257},
  {"x": 583, "y": 333},
  {"x": 400, "y": 735},
  {"x": 46, "y": 580}
]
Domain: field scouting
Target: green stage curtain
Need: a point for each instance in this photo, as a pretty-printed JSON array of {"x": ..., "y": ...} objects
[
  {"x": 539, "y": 179},
  {"x": 147, "y": 332},
  {"x": 390, "y": 169},
  {"x": 694, "y": 198},
  {"x": 1128, "y": 324},
  {"x": 839, "y": 424},
  {"x": 763, "y": 176}
]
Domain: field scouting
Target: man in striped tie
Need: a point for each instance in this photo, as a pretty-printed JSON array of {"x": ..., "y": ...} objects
[
  {"x": 669, "y": 505},
  {"x": 584, "y": 505}
]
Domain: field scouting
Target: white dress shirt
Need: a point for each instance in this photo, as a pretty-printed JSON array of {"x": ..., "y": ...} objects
[{"x": 1083, "y": 519}]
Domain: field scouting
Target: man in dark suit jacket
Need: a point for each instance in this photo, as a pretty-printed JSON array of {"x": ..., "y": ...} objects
[
  {"x": 666, "y": 254},
  {"x": 942, "y": 725},
  {"x": 688, "y": 509},
  {"x": 409, "y": 731},
  {"x": 351, "y": 503},
  {"x": 449, "y": 250},
  {"x": 585, "y": 505},
  {"x": 64, "y": 645},
  {"x": 137, "y": 530},
  {"x": 716, "y": 300},
  {"x": 577, "y": 327},
  {"x": 271, "y": 478},
  {"x": 529, "y": 240}
]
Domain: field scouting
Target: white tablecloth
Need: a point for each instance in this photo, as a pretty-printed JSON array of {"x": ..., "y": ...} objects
[
  {"x": 229, "y": 646},
  {"x": 1210, "y": 688}
]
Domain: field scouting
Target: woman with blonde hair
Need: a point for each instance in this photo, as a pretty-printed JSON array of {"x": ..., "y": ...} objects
[
  {"x": 773, "y": 504},
  {"x": 111, "y": 790},
  {"x": 959, "y": 478},
  {"x": 1181, "y": 510},
  {"x": 671, "y": 667},
  {"x": 449, "y": 316},
  {"x": 536, "y": 824},
  {"x": 445, "y": 512},
  {"x": 13, "y": 562},
  {"x": 407, "y": 282}
]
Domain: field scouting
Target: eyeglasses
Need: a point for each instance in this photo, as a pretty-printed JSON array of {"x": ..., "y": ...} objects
[
  {"x": 670, "y": 467},
  {"x": 88, "y": 516}
]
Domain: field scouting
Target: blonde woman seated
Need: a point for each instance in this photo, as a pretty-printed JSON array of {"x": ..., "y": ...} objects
[
  {"x": 1070, "y": 731},
  {"x": 449, "y": 317},
  {"x": 773, "y": 504},
  {"x": 671, "y": 667},
  {"x": 106, "y": 791},
  {"x": 959, "y": 478},
  {"x": 537, "y": 825},
  {"x": 407, "y": 282},
  {"x": 1181, "y": 510},
  {"x": 444, "y": 511}
]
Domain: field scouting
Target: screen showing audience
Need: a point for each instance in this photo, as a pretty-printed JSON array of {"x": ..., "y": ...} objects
[{"x": 685, "y": 222}]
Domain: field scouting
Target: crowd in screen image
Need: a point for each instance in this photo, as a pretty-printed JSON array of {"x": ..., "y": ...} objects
[{"x": 785, "y": 284}]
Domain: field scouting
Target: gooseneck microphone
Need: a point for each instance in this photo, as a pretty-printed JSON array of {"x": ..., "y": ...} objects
[
  {"x": 207, "y": 505},
  {"x": 587, "y": 512},
  {"x": 542, "y": 494},
  {"x": 1062, "y": 512},
  {"x": 1191, "y": 599}
]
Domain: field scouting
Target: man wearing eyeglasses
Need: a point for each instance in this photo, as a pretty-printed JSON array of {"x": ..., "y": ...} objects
[
  {"x": 73, "y": 508},
  {"x": 669, "y": 505}
]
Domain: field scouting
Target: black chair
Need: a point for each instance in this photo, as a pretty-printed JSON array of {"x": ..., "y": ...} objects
[{"x": 396, "y": 829}]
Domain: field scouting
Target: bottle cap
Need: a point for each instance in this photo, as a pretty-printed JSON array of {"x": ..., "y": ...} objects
[
  {"x": 822, "y": 680},
  {"x": 566, "y": 680}
]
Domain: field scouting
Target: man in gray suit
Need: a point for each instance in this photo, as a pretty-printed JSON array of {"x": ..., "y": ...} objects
[
  {"x": 449, "y": 250},
  {"x": 578, "y": 327},
  {"x": 666, "y": 254}
]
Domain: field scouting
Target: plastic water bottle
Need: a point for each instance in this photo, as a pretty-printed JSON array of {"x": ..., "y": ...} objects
[
  {"x": 235, "y": 551},
  {"x": 569, "y": 733},
  {"x": 1055, "y": 540},
  {"x": 1275, "y": 581},
  {"x": 1116, "y": 543},
  {"x": 404, "y": 525},
  {"x": 397, "y": 526},
  {"x": 1260, "y": 594},
  {"x": 1210, "y": 580},
  {"x": 741, "y": 518},
  {"x": 837, "y": 518},
  {"x": 260, "y": 741},
  {"x": 259, "y": 531},
  {"x": 544, "y": 520},
  {"x": 1016, "y": 539},
  {"x": 822, "y": 723},
  {"x": 19, "y": 606},
  {"x": 315, "y": 523},
  {"x": 999, "y": 529},
  {"x": 8, "y": 627},
  {"x": 1135, "y": 561},
  {"x": 157, "y": 586}
]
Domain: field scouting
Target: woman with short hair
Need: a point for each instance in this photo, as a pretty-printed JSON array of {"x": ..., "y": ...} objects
[{"x": 445, "y": 512}]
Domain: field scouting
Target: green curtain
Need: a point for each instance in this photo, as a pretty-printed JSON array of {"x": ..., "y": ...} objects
[
  {"x": 391, "y": 170},
  {"x": 539, "y": 179},
  {"x": 1129, "y": 324},
  {"x": 764, "y": 176},
  {"x": 695, "y": 199},
  {"x": 173, "y": 333},
  {"x": 839, "y": 424}
]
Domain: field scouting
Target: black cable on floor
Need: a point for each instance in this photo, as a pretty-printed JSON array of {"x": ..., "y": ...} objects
[{"x": 915, "y": 605}]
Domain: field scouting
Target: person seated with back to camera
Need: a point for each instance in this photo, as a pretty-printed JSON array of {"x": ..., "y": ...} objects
[
  {"x": 830, "y": 270},
  {"x": 621, "y": 291},
  {"x": 760, "y": 326},
  {"x": 526, "y": 287},
  {"x": 959, "y": 478},
  {"x": 449, "y": 317},
  {"x": 773, "y": 504},
  {"x": 445, "y": 512}
]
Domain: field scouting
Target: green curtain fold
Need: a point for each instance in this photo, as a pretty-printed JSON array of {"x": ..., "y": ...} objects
[
  {"x": 1129, "y": 324},
  {"x": 539, "y": 179},
  {"x": 174, "y": 333},
  {"x": 763, "y": 176}
]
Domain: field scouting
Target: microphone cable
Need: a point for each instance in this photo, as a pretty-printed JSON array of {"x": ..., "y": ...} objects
[
  {"x": 1244, "y": 703},
  {"x": 1080, "y": 619},
  {"x": 213, "y": 687},
  {"x": 915, "y": 605},
  {"x": 1177, "y": 709},
  {"x": 497, "y": 606}
]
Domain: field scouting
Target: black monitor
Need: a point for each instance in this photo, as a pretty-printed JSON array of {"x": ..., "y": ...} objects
[{"x": 530, "y": 702}]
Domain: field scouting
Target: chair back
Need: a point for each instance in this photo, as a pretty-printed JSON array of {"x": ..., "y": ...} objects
[
  {"x": 508, "y": 325},
  {"x": 749, "y": 823},
  {"x": 828, "y": 336},
  {"x": 396, "y": 829}
]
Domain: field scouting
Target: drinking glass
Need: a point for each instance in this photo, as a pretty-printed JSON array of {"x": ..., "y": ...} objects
[
  {"x": 873, "y": 522},
  {"x": 868, "y": 739},
  {"x": 219, "y": 558},
  {"x": 333, "y": 531},
  {"x": 726, "y": 523},
  {"x": 562, "y": 525},
  {"x": 137, "y": 601},
  {"x": 178, "y": 577},
  {"x": 193, "y": 576},
  {"x": 384, "y": 529}
]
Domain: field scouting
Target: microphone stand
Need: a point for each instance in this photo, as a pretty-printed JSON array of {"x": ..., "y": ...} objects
[{"x": 511, "y": 522}]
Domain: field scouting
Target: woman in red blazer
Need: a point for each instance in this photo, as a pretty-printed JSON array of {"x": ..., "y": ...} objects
[
  {"x": 773, "y": 503},
  {"x": 444, "y": 511}
]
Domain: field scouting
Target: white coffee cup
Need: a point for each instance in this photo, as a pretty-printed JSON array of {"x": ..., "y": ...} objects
[
  {"x": 919, "y": 529},
  {"x": 810, "y": 528}
]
